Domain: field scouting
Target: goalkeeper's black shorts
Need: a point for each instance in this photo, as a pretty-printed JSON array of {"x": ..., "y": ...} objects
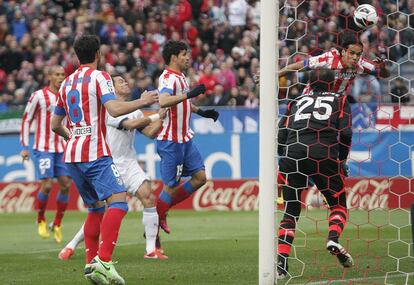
[{"x": 325, "y": 174}]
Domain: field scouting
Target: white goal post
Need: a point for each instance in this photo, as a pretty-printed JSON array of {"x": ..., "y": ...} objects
[{"x": 269, "y": 23}]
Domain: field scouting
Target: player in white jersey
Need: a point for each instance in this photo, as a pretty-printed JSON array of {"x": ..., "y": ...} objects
[
  {"x": 47, "y": 150},
  {"x": 179, "y": 155},
  {"x": 120, "y": 137},
  {"x": 85, "y": 97},
  {"x": 347, "y": 63}
]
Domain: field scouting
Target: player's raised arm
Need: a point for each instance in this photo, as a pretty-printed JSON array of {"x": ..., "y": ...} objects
[
  {"x": 116, "y": 107},
  {"x": 381, "y": 66},
  {"x": 167, "y": 100}
]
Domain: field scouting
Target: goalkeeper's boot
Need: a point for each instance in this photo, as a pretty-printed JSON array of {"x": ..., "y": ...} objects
[
  {"x": 102, "y": 272},
  {"x": 282, "y": 267},
  {"x": 164, "y": 226},
  {"x": 156, "y": 254},
  {"x": 66, "y": 253},
  {"x": 42, "y": 230},
  {"x": 341, "y": 253},
  {"x": 57, "y": 233}
]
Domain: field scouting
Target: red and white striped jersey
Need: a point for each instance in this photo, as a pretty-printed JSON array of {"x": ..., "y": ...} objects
[
  {"x": 81, "y": 99},
  {"x": 176, "y": 124},
  {"x": 343, "y": 76},
  {"x": 39, "y": 110}
]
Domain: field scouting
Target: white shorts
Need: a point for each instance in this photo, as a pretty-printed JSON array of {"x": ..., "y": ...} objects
[{"x": 132, "y": 175}]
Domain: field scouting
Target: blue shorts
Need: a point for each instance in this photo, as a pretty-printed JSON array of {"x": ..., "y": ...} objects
[
  {"x": 50, "y": 164},
  {"x": 96, "y": 180},
  {"x": 177, "y": 160}
]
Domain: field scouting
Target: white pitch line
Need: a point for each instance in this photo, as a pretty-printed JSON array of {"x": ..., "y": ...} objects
[
  {"x": 344, "y": 281},
  {"x": 129, "y": 243},
  {"x": 173, "y": 240}
]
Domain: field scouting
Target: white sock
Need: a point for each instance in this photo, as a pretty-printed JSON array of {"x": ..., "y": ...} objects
[
  {"x": 150, "y": 221},
  {"x": 76, "y": 239}
]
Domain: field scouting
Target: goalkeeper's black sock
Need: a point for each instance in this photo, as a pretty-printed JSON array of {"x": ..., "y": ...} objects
[
  {"x": 337, "y": 221},
  {"x": 282, "y": 263},
  {"x": 333, "y": 236}
]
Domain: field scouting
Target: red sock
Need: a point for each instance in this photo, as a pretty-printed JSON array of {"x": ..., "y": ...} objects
[
  {"x": 41, "y": 206},
  {"x": 162, "y": 208},
  {"x": 164, "y": 204},
  {"x": 60, "y": 212},
  {"x": 109, "y": 232},
  {"x": 180, "y": 195},
  {"x": 91, "y": 232}
]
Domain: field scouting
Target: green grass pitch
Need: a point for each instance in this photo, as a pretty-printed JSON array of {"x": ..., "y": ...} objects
[{"x": 213, "y": 248}]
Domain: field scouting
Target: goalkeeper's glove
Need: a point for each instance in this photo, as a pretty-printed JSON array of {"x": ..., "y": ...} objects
[
  {"x": 199, "y": 89},
  {"x": 209, "y": 113},
  {"x": 345, "y": 168}
]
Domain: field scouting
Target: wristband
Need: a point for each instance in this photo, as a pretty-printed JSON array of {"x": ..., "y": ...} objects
[{"x": 154, "y": 117}]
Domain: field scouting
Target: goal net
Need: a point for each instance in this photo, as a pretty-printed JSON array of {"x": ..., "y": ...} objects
[{"x": 380, "y": 188}]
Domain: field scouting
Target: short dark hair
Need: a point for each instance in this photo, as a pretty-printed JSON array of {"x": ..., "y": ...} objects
[
  {"x": 322, "y": 80},
  {"x": 349, "y": 38},
  {"x": 113, "y": 75},
  {"x": 173, "y": 48},
  {"x": 86, "y": 47}
]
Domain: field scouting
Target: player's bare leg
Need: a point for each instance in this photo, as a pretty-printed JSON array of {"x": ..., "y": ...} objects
[
  {"x": 170, "y": 197},
  {"x": 61, "y": 205},
  {"x": 42, "y": 199}
]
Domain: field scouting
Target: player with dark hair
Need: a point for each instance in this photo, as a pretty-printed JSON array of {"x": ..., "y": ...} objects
[
  {"x": 85, "y": 98},
  {"x": 48, "y": 151},
  {"x": 314, "y": 142},
  {"x": 347, "y": 62},
  {"x": 120, "y": 137},
  {"x": 179, "y": 156}
]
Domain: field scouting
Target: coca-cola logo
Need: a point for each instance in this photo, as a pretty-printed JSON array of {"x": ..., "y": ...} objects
[
  {"x": 239, "y": 198},
  {"x": 368, "y": 194},
  {"x": 17, "y": 197},
  {"x": 365, "y": 194}
]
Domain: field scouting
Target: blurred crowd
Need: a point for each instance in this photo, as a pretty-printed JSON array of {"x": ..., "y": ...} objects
[{"x": 223, "y": 36}]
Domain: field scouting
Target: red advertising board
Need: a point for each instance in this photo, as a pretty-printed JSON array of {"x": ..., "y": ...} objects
[{"x": 230, "y": 195}]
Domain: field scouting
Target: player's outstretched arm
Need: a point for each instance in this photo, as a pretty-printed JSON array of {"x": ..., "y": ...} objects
[
  {"x": 141, "y": 123},
  {"x": 297, "y": 66},
  {"x": 57, "y": 127},
  {"x": 166, "y": 100},
  {"x": 117, "y": 108},
  {"x": 151, "y": 130},
  {"x": 209, "y": 113}
]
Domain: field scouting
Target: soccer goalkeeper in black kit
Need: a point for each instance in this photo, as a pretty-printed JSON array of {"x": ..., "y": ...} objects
[{"x": 314, "y": 142}]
